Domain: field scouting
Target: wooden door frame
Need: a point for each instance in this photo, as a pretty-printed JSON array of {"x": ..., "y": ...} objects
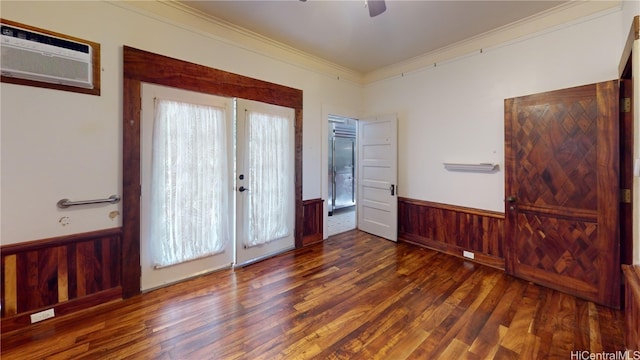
[
  {"x": 142, "y": 66},
  {"x": 626, "y": 176}
]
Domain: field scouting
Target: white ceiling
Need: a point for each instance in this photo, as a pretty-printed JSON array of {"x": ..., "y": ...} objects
[{"x": 343, "y": 33}]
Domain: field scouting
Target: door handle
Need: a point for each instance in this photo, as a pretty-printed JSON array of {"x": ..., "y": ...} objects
[
  {"x": 242, "y": 189},
  {"x": 511, "y": 199},
  {"x": 392, "y": 188}
]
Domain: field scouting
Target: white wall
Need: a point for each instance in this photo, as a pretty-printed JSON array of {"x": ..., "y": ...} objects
[
  {"x": 454, "y": 111},
  {"x": 57, "y": 144}
]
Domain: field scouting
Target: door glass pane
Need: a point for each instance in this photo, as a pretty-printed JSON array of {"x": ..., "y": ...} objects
[
  {"x": 189, "y": 181},
  {"x": 344, "y": 172},
  {"x": 270, "y": 183}
]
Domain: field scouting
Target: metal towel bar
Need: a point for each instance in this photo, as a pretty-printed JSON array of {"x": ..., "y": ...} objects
[{"x": 65, "y": 203}]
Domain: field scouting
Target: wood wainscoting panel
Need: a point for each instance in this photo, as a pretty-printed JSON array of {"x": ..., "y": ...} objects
[
  {"x": 61, "y": 273},
  {"x": 313, "y": 221},
  {"x": 9, "y": 288},
  {"x": 453, "y": 229},
  {"x": 632, "y": 305}
]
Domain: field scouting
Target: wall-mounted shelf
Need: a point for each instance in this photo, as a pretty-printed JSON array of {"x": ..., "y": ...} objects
[{"x": 481, "y": 167}]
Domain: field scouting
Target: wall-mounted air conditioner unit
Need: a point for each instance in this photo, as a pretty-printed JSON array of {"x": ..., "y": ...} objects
[{"x": 31, "y": 55}]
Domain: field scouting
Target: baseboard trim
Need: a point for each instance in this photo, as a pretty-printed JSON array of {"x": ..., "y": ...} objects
[
  {"x": 24, "y": 319},
  {"x": 492, "y": 261}
]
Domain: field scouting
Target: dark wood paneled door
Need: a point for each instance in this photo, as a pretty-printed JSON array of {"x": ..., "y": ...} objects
[{"x": 562, "y": 188}]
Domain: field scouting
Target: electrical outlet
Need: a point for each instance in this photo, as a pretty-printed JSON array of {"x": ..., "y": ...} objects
[
  {"x": 42, "y": 315},
  {"x": 468, "y": 254}
]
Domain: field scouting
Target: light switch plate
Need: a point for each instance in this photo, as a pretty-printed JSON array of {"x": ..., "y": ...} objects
[{"x": 636, "y": 167}]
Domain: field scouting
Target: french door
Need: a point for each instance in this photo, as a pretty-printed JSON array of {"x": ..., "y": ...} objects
[
  {"x": 265, "y": 191},
  {"x": 226, "y": 189}
]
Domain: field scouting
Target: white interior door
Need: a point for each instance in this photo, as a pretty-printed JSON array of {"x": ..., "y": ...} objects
[
  {"x": 265, "y": 190},
  {"x": 185, "y": 199},
  {"x": 377, "y": 204}
]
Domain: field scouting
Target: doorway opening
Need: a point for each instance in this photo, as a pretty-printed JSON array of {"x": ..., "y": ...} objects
[
  {"x": 342, "y": 156},
  {"x": 217, "y": 178},
  {"x": 198, "y": 78}
]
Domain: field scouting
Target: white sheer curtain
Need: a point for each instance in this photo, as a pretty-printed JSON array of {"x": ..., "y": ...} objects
[
  {"x": 189, "y": 182},
  {"x": 270, "y": 184}
]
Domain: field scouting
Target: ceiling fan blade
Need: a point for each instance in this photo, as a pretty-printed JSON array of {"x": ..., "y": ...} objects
[{"x": 376, "y": 7}]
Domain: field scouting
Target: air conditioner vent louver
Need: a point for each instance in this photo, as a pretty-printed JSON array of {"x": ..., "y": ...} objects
[{"x": 35, "y": 56}]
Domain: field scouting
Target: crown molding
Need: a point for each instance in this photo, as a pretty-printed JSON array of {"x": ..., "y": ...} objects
[
  {"x": 560, "y": 15},
  {"x": 185, "y": 17},
  {"x": 182, "y": 16}
]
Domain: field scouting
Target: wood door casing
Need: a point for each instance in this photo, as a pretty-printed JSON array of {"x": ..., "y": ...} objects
[
  {"x": 562, "y": 168},
  {"x": 142, "y": 66},
  {"x": 626, "y": 174}
]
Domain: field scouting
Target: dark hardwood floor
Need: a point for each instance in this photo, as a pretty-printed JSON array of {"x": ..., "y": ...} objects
[{"x": 355, "y": 296}]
